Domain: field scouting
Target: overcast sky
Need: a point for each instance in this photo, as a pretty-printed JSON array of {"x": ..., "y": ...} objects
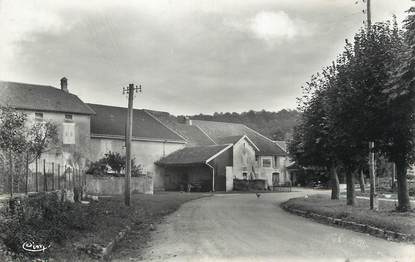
[{"x": 191, "y": 56}]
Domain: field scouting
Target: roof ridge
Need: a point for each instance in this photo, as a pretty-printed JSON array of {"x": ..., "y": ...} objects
[
  {"x": 28, "y": 84},
  {"x": 158, "y": 120},
  {"x": 201, "y": 130},
  {"x": 269, "y": 139},
  {"x": 220, "y": 122}
]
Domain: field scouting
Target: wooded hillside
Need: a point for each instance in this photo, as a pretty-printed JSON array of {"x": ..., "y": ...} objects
[{"x": 275, "y": 125}]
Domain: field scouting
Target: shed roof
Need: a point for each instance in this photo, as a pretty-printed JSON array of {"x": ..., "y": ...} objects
[
  {"x": 41, "y": 98},
  {"x": 110, "y": 121},
  {"x": 220, "y": 130},
  {"x": 193, "y": 155}
]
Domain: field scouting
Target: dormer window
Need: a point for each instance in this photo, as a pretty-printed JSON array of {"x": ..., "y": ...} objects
[{"x": 38, "y": 116}]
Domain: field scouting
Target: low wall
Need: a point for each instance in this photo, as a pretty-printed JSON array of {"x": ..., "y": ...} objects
[
  {"x": 248, "y": 185},
  {"x": 115, "y": 185}
]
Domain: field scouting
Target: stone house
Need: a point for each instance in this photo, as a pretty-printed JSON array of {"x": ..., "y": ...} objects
[{"x": 47, "y": 103}]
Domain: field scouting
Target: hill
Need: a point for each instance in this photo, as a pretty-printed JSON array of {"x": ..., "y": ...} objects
[{"x": 275, "y": 125}]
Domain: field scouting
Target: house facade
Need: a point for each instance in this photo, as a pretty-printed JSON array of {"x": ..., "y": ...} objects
[
  {"x": 270, "y": 158},
  {"x": 43, "y": 103}
]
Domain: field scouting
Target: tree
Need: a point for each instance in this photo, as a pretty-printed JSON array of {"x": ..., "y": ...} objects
[
  {"x": 41, "y": 135},
  {"x": 400, "y": 134},
  {"x": 12, "y": 137},
  {"x": 345, "y": 106},
  {"x": 312, "y": 143},
  {"x": 17, "y": 137}
]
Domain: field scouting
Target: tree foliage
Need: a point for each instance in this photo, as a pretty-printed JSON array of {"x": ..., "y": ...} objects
[
  {"x": 275, "y": 125},
  {"x": 364, "y": 96}
]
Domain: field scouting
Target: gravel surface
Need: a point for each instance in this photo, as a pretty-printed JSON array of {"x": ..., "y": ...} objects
[{"x": 246, "y": 228}]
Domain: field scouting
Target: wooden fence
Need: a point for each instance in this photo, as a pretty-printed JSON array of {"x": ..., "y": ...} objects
[{"x": 38, "y": 176}]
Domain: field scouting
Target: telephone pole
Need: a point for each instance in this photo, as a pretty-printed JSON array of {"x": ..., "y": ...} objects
[
  {"x": 374, "y": 202},
  {"x": 129, "y": 131},
  {"x": 369, "y": 15}
]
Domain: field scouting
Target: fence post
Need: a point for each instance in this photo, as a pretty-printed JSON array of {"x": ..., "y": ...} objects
[
  {"x": 36, "y": 175},
  {"x": 53, "y": 176},
  {"x": 27, "y": 173},
  {"x": 45, "y": 181},
  {"x": 65, "y": 175},
  {"x": 3, "y": 175},
  {"x": 11, "y": 173},
  {"x": 59, "y": 176},
  {"x": 18, "y": 172},
  {"x": 69, "y": 177}
]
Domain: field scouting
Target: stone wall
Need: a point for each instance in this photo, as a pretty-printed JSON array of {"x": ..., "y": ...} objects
[
  {"x": 115, "y": 185},
  {"x": 248, "y": 185}
]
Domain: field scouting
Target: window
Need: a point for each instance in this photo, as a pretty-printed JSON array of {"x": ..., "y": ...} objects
[
  {"x": 245, "y": 175},
  {"x": 39, "y": 116},
  {"x": 68, "y": 117},
  {"x": 266, "y": 162},
  {"x": 68, "y": 133}
]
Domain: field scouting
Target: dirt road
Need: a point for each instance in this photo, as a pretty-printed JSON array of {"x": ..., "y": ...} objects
[{"x": 243, "y": 227}]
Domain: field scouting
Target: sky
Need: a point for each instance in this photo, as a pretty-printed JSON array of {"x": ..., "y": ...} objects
[{"x": 190, "y": 56}]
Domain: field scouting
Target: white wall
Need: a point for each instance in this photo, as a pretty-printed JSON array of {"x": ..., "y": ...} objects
[
  {"x": 64, "y": 154},
  {"x": 144, "y": 152},
  {"x": 278, "y": 165},
  {"x": 243, "y": 159},
  {"x": 115, "y": 185}
]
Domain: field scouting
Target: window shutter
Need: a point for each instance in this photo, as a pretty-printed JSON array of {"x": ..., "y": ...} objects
[{"x": 69, "y": 133}]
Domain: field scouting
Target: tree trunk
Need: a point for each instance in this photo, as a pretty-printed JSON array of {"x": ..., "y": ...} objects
[
  {"x": 362, "y": 181},
  {"x": 351, "y": 198},
  {"x": 403, "y": 195},
  {"x": 393, "y": 177},
  {"x": 334, "y": 180}
]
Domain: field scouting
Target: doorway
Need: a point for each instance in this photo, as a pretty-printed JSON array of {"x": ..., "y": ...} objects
[{"x": 275, "y": 179}]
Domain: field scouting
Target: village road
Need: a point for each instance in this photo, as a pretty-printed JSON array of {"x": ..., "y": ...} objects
[{"x": 232, "y": 227}]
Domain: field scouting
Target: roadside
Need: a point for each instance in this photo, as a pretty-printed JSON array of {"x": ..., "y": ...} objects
[
  {"x": 98, "y": 223},
  {"x": 229, "y": 227},
  {"x": 361, "y": 218}
]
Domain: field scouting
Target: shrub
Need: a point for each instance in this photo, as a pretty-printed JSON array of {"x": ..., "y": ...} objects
[
  {"x": 116, "y": 162},
  {"x": 41, "y": 219}
]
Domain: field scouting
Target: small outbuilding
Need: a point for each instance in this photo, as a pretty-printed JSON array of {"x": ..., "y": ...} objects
[{"x": 198, "y": 168}]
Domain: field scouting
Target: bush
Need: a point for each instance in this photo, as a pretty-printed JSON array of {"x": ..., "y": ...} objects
[
  {"x": 117, "y": 163},
  {"x": 42, "y": 219}
]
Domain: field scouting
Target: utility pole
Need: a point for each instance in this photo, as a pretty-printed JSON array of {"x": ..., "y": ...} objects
[
  {"x": 130, "y": 91},
  {"x": 374, "y": 203},
  {"x": 369, "y": 15}
]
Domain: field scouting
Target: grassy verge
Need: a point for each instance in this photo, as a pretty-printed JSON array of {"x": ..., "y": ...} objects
[
  {"x": 386, "y": 218},
  {"x": 99, "y": 222},
  {"x": 156, "y": 208}
]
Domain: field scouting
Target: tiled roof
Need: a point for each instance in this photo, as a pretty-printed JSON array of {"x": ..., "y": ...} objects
[
  {"x": 193, "y": 135},
  {"x": 41, "y": 98},
  {"x": 220, "y": 130},
  {"x": 282, "y": 144},
  {"x": 110, "y": 121},
  {"x": 229, "y": 139},
  {"x": 193, "y": 155}
]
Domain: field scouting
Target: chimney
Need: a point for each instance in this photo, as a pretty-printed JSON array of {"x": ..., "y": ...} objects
[
  {"x": 64, "y": 84},
  {"x": 188, "y": 121}
]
